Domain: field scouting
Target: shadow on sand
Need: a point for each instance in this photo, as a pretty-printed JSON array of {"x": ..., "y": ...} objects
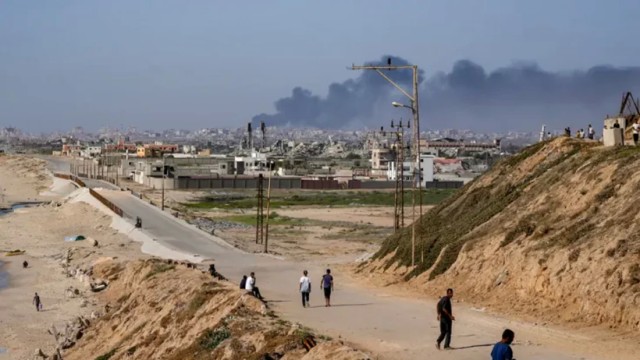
[
  {"x": 339, "y": 305},
  {"x": 471, "y": 346}
]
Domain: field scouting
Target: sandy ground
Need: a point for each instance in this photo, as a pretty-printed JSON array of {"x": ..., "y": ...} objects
[
  {"x": 22, "y": 179},
  {"x": 40, "y": 231}
]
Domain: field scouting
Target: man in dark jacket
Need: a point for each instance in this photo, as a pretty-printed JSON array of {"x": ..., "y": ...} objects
[{"x": 446, "y": 318}]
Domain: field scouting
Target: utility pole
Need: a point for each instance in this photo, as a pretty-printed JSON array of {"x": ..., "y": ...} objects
[
  {"x": 414, "y": 107},
  {"x": 398, "y": 141},
  {"x": 260, "y": 211},
  {"x": 266, "y": 234},
  {"x": 163, "y": 166}
]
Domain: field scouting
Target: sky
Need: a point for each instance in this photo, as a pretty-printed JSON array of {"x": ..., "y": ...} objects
[{"x": 486, "y": 65}]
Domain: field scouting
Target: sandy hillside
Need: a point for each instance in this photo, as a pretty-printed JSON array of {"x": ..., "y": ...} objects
[
  {"x": 22, "y": 179},
  {"x": 160, "y": 309},
  {"x": 146, "y": 302},
  {"x": 550, "y": 234}
]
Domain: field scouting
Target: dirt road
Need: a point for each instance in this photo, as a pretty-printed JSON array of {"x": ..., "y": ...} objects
[{"x": 392, "y": 327}]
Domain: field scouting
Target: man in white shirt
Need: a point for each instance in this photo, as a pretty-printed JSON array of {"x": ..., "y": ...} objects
[
  {"x": 635, "y": 129},
  {"x": 591, "y": 132},
  {"x": 250, "y": 286},
  {"x": 305, "y": 289}
]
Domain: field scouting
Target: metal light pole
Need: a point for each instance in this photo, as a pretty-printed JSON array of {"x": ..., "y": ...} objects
[{"x": 417, "y": 184}]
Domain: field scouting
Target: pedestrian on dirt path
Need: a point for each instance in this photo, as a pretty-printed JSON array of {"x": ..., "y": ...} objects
[
  {"x": 502, "y": 349},
  {"x": 37, "y": 303},
  {"x": 25, "y": 264},
  {"x": 446, "y": 318},
  {"x": 251, "y": 286},
  {"x": 327, "y": 286},
  {"x": 305, "y": 288}
]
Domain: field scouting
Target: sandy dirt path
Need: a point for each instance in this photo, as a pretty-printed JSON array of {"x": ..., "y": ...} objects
[{"x": 393, "y": 327}]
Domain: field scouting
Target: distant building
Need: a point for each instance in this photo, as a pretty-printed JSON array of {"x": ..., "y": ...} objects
[
  {"x": 91, "y": 151},
  {"x": 155, "y": 150},
  {"x": 380, "y": 159}
]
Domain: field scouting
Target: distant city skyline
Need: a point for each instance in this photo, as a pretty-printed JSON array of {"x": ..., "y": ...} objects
[{"x": 496, "y": 65}]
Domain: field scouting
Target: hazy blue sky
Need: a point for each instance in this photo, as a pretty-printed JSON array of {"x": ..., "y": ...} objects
[{"x": 193, "y": 64}]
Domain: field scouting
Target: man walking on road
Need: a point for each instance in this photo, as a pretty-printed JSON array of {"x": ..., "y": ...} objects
[
  {"x": 445, "y": 315},
  {"x": 327, "y": 286},
  {"x": 305, "y": 288},
  {"x": 502, "y": 350}
]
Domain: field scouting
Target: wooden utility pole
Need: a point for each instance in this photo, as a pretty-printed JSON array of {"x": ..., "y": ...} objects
[
  {"x": 260, "y": 211},
  {"x": 414, "y": 107},
  {"x": 266, "y": 234},
  {"x": 398, "y": 147}
]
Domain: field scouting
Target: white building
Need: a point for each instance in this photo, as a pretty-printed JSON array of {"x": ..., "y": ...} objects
[
  {"x": 91, "y": 151},
  {"x": 426, "y": 167}
]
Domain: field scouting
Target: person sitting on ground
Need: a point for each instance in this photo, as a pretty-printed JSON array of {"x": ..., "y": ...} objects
[
  {"x": 25, "y": 264},
  {"x": 251, "y": 286},
  {"x": 502, "y": 349},
  {"x": 243, "y": 282}
]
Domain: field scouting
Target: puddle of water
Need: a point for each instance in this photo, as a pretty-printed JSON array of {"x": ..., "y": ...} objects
[{"x": 22, "y": 205}]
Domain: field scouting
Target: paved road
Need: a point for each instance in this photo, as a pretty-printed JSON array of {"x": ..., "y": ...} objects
[{"x": 396, "y": 328}]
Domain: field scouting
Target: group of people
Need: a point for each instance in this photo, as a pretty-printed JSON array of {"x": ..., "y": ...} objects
[
  {"x": 326, "y": 285},
  {"x": 501, "y": 350},
  {"x": 248, "y": 283},
  {"x": 581, "y": 134}
]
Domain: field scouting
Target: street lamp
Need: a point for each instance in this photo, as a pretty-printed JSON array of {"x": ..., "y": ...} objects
[
  {"x": 397, "y": 104},
  {"x": 413, "y": 97}
]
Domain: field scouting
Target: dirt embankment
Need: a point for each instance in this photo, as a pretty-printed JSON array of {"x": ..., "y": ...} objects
[
  {"x": 161, "y": 309},
  {"x": 552, "y": 233},
  {"x": 22, "y": 179}
]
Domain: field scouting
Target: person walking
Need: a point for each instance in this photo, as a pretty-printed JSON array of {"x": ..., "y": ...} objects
[
  {"x": 502, "y": 349},
  {"x": 446, "y": 318},
  {"x": 305, "y": 288},
  {"x": 37, "y": 303},
  {"x": 327, "y": 286},
  {"x": 635, "y": 129}
]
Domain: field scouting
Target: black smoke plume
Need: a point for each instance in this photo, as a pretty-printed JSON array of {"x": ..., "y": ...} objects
[{"x": 518, "y": 97}]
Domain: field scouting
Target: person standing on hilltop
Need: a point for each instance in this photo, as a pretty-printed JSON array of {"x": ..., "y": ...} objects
[
  {"x": 305, "y": 288},
  {"x": 327, "y": 286},
  {"x": 446, "y": 318},
  {"x": 635, "y": 128},
  {"x": 502, "y": 349},
  {"x": 591, "y": 133}
]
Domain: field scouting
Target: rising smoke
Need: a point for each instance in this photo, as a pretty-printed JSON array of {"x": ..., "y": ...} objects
[{"x": 518, "y": 97}]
